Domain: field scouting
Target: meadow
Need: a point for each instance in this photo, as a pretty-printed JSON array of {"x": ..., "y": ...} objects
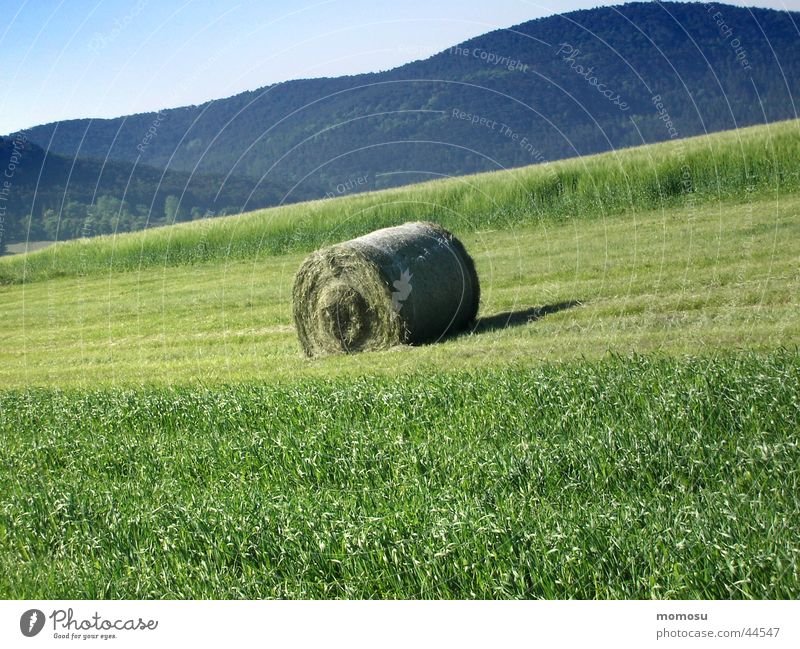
[
  {"x": 622, "y": 421},
  {"x": 675, "y": 281},
  {"x": 629, "y": 477}
]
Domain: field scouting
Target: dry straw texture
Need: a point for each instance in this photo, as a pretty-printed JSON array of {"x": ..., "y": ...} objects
[{"x": 413, "y": 283}]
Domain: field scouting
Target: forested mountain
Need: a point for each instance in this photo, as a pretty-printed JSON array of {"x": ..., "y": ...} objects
[
  {"x": 85, "y": 197},
  {"x": 561, "y": 86}
]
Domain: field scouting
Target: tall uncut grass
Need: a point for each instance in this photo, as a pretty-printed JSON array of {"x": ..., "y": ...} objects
[
  {"x": 629, "y": 478},
  {"x": 734, "y": 165}
]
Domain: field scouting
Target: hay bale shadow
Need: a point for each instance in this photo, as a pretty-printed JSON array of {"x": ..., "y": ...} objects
[{"x": 519, "y": 317}]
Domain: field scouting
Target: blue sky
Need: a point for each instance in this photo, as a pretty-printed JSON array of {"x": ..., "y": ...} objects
[{"x": 64, "y": 59}]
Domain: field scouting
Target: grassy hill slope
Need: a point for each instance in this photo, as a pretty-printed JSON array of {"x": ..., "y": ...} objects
[{"x": 737, "y": 166}]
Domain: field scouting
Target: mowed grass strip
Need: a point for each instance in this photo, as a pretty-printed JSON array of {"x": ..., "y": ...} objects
[
  {"x": 671, "y": 282},
  {"x": 624, "y": 478}
]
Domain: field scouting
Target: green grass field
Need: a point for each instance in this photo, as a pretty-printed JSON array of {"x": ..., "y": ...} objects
[
  {"x": 623, "y": 421},
  {"x": 671, "y": 282},
  {"x": 621, "y": 478}
]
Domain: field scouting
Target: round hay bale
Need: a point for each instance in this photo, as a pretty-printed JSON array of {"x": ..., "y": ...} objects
[{"x": 413, "y": 283}]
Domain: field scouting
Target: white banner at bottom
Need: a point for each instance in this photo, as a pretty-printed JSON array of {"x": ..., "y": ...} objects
[{"x": 767, "y": 624}]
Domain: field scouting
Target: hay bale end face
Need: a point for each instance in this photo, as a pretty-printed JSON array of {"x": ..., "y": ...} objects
[{"x": 410, "y": 284}]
